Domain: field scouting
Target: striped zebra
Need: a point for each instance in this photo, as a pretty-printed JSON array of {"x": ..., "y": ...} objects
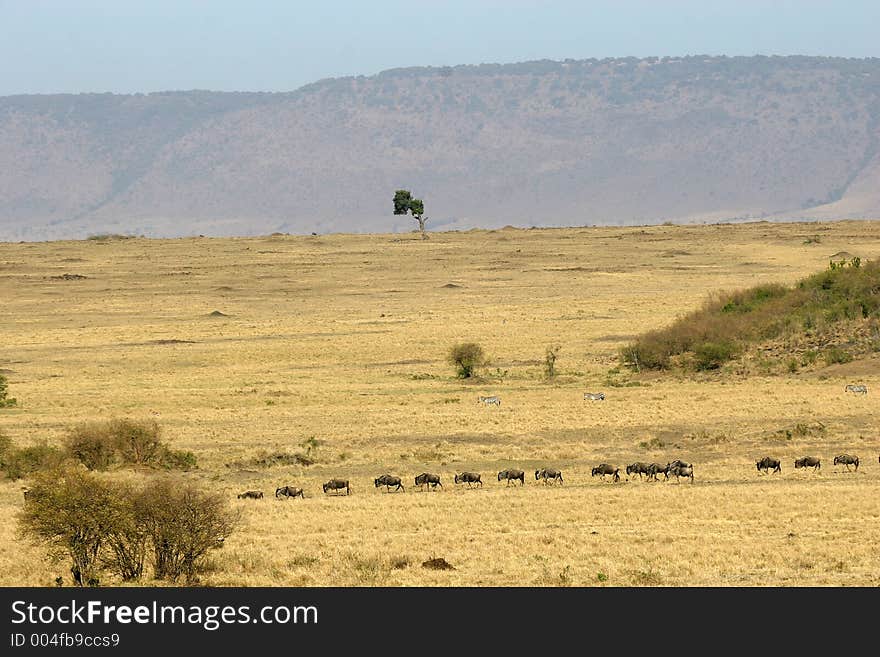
[
  {"x": 489, "y": 400},
  {"x": 859, "y": 389},
  {"x": 598, "y": 396}
]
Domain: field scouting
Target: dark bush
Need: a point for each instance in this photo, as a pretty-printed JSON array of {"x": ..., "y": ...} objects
[
  {"x": 100, "y": 525},
  {"x": 728, "y": 321},
  {"x": 5, "y": 400},
  {"x": 73, "y": 513},
  {"x": 19, "y": 463},
  {"x": 100, "y": 445},
  {"x": 712, "y": 355},
  {"x": 466, "y": 357},
  {"x": 183, "y": 524}
]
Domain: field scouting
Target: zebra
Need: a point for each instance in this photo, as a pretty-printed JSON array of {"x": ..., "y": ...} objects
[
  {"x": 596, "y": 396},
  {"x": 808, "y": 462},
  {"x": 513, "y": 475},
  {"x": 432, "y": 480},
  {"x": 388, "y": 481},
  {"x": 489, "y": 400},
  {"x": 847, "y": 460},
  {"x": 858, "y": 389},
  {"x": 469, "y": 478},
  {"x": 337, "y": 485},
  {"x": 549, "y": 474}
]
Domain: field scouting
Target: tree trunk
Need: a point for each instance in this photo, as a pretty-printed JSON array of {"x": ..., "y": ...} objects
[{"x": 422, "y": 221}]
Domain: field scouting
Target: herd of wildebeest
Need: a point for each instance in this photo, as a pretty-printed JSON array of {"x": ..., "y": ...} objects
[{"x": 649, "y": 471}]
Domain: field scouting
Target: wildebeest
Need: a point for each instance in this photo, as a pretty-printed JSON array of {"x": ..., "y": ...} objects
[
  {"x": 489, "y": 400},
  {"x": 388, "y": 481},
  {"x": 549, "y": 474},
  {"x": 596, "y": 396},
  {"x": 858, "y": 389},
  {"x": 655, "y": 468},
  {"x": 432, "y": 480},
  {"x": 808, "y": 462},
  {"x": 847, "y": 460},
  {"x": 637, "y": 468},
  {"x": 681, "y": 469},
  {"x": 251, "y": 494},
  {"x": 337, "y": 485},
  {"x": 289, "y": 491},
  {"x": 767, "y": 464},
  {"x": 468, "y": 478},
  {"x": 513, "y": 475},
  {"x": 606, "y": 469}
]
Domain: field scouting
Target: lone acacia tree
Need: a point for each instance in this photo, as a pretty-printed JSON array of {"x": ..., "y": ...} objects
[{"x": 404, "y": 202}]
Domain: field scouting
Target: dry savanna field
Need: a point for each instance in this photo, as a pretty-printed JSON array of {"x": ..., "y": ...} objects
[{"x": 339, "y": 342}]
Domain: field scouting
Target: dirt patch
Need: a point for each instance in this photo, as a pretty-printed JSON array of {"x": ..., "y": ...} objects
[
  {"x": 450, "y": 285},
  {"x": 68, "y": 277},
  {"x": 170, "y": 342},
  {"x": 437, "y": 563},
  {"x": 217, "y": 313}
]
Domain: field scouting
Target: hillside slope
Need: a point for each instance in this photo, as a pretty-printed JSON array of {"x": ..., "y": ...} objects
[{"x": 615, "y": 141}]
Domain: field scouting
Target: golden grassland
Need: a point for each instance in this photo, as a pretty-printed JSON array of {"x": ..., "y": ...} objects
[{"x": 343, "y": 338}]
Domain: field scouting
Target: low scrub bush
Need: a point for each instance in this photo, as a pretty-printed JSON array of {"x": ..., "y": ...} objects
[
  {"x": 101, "y": 445},
  {"x": 728, "y": 321},
  {"x": 102, "y": 527}
]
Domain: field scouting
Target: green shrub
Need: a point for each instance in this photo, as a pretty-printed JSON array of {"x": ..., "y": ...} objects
[
  {"x": 728, "y": 321},
  {"x": 100, "y": 525},
  {"x": 72, "y": 512},
  {"x": 466, "y": 357},
  {"x": 92, "y": 445},
  {"x": 711, "y": 355},
  {"x": 183, "y": 524},
  {"x": 837, "y": 355},
  {"x": 20, "y": 463},
  {"x": 5, "y": 400},
  {"x": 550, "y": 361},
  {"x": 101, "y": 445}
]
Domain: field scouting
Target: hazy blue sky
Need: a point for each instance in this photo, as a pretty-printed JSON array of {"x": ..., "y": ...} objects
[{"x": 75, "y": 46}]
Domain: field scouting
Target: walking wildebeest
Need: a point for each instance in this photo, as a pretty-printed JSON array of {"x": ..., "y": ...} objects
[
  {"x": 469, "y": 478},
  {"x": 606, "y": 469},
  {"x": 808, "y": 462},
  {"x": 513, "y": 475},
  {"x": 767, "y": 464},
  {"x": 289, "y": 491},
  {"x": 654, "y": 468},
  {"x": 548, "y": 474},
  {"x": 388, "y": 481},
  {"x": 251, "y": 494},
  {"x": 337, "y": 485},
  {"x": 637, "y": 468},
  {"x": 847, "y": 460},
  {"x": 432, "y": 480},
  {"x": 682, "y": 470}
]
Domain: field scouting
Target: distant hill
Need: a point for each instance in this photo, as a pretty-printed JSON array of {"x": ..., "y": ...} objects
[{"x": 613, "y": 141}]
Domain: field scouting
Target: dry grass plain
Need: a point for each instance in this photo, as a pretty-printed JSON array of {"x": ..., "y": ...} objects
[{"x": 343, "y": 338}]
